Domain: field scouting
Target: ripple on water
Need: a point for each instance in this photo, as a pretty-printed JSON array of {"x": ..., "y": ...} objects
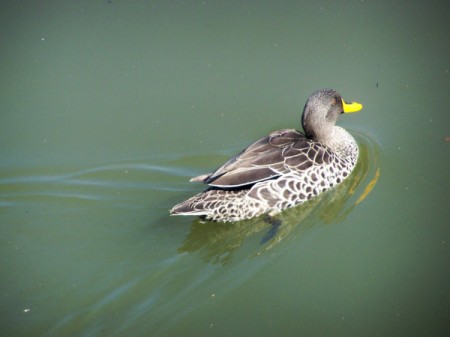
[
  {"x": 110, "y": 182},
  {"x": 167, "y": 284}
]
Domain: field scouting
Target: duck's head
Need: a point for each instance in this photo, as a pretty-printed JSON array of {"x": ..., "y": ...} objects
[{"x": 321, "y": 112}]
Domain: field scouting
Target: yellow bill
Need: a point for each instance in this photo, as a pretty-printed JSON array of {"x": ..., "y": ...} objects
[{"x": 351, "y": 107}]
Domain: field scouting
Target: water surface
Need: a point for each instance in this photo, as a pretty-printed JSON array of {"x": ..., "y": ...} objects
[{"x": 108, "y": 108}]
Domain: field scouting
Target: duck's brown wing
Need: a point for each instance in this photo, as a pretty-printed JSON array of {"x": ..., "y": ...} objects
[{"x": 279, "y": 153}]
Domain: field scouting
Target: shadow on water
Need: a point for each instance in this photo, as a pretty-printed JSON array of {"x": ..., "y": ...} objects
[{"x": 218, "y": 242}]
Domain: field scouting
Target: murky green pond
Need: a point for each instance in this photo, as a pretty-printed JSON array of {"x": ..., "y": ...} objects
[{"x": 107, "y": 108}]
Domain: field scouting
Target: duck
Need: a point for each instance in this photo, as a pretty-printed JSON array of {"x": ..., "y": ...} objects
[{"x": 281, "y": 170}]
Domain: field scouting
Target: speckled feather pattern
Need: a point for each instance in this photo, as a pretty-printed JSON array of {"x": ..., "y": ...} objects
[
  {"x": 274, "y": 173},
  {"x": 305, "y": 169}
]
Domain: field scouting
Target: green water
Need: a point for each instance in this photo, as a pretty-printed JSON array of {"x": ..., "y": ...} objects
[{"x": 107, "y": 108}]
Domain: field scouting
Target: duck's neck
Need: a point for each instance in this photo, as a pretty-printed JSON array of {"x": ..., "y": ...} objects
[{"x": 340, "y": 142}]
